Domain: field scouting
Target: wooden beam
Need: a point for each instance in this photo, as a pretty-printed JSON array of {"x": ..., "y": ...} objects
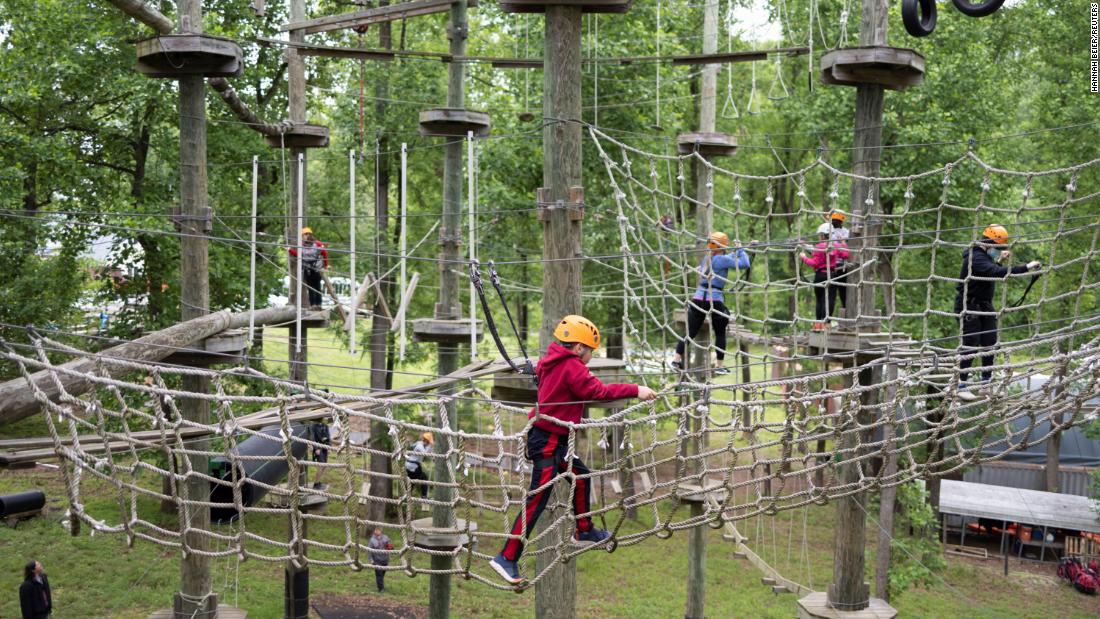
[
  {"x": 241, "y": 110},
  {"x": 141, "y": 11},
  {"x": 371, "y": 16},
  {"x": 17, "y": 399}
]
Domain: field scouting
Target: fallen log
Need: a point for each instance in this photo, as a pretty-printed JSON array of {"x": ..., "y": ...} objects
[{"x": 17, "y": 398}]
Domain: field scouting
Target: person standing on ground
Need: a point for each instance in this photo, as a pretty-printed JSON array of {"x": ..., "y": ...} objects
[
  {"x": 981, "y": 268},
  {"x": 319, "y": 433},
  {"x": 35, "y": 599},
  {"x": 314, "y": 260},
  {"x": 827, "y": 254},
  {"x": 414, "y": 461},
  {"x": 708, "y": 300},
  {"x": 378, "y": 544}
]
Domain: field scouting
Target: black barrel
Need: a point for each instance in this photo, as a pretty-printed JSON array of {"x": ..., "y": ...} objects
[
  {"x": 21, "y": 502},
  {"x": 269, "y": 472}
]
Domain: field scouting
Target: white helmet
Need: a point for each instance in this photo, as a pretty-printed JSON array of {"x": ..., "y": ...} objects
[{"x": 825, "y": 229}]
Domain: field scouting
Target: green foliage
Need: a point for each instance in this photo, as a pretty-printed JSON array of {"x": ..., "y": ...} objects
[{"x": 917, "y": 556}]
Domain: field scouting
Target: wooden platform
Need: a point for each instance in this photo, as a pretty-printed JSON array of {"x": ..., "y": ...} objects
[
  {"x": 512, "y": 387},
  {"x": 708, "y": 144},
  {"x": 179, "y": 55},
  {"x": 445, "y": 331},
  {"x": 354, "y": 19},
  {"x": 227, "y": 347},
  {"x": 302, "y": 135},
  {"x": 694, "y": 493},
  {"x": 225, "y": 611},
  {"x": 881, "y": 343},
  {"x": 587, "y": 6},
  {"x": 816, "y": 606},
  {"x": 890, "y": 67},
  {"x": 454, "y": 122},
  {"x": 307, "y": 500},
  {"x": 437, "y": 538}
]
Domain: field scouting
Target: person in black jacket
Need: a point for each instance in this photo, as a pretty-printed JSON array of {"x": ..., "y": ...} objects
[
  {"x": 34, "y": 594},
  {"x": 981, "y": 267}
]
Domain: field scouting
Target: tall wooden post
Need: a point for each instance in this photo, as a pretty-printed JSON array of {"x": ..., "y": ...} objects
[
  {"x": 848, "y": 591},
  {"x": 700, "y": 363},
  {"x": 296, "y": 577},
  {"x": 380, "y": 485},
  {"x": 296, "y": 95},
  {"x": 195, "y": 581},
  {"x": 555, "y": 594},
  {"x": 439, "y": 586}
]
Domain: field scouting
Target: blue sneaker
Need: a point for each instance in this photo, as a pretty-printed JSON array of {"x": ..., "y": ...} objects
[
  {"x": 508, "y": 570},
  {"x": 593, "y": 536}
]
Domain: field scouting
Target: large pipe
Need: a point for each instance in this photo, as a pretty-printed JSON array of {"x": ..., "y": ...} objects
[
  {"x": 260, "y": 459},
  {"x": 21, "y": 503}
]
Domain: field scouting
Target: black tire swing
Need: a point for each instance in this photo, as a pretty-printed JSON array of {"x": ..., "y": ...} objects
[
  {"x": 980, "y": 9},
  {"x": 919, "y": 16}
]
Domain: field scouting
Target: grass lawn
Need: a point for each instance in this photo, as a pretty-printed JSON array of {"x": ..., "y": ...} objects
[{"x": 99, "y": 576}]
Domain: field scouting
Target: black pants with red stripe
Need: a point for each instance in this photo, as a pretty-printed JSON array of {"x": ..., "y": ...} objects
[{"x": 547, "y": 452}]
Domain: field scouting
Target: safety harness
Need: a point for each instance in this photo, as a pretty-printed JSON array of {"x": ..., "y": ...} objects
[{"x": 475, "y": 279}]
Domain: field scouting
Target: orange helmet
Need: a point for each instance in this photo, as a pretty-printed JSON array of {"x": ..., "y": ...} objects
[
  {"x": 996, "y": 233},
  {"x": 838, "y": 215},
  {"x": 579, "y": 329},
  {"x": 307, "y": 230},
  {"x": 718, "y": 240},
  {"x": 427, "y": 438}
]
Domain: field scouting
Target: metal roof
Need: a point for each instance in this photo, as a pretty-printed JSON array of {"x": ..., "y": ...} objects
[{"x": 1063, "y": 511}]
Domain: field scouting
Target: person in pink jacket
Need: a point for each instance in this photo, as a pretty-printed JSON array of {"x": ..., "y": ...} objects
[{"x": 826, "y": 255}]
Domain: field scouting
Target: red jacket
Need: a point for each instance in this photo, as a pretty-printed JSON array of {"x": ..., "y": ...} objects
[{"x": 563, "y": 377}]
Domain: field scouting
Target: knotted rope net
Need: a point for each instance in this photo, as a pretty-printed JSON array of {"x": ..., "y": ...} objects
[{"x": 806, "y": 418}]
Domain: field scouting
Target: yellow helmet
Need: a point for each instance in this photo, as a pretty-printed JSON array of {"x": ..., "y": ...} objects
[
  {"x": 307, "y": 230},
  {"x": 838, "y": 215},
  {"x": 575, "y": 328},
  {"x": 718, "y": 240},
  {"x": 427, "y": 436},
  {"x": 996, "y": 233}
]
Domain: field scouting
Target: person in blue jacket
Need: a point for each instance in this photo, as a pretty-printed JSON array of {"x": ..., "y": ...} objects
[{"x": 708, "y": 298}]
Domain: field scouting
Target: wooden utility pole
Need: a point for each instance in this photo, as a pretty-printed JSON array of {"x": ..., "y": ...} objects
[
  {"x": 700, "y": 362},
  {"x": 447, "y": 308},
  {"x": 848, "y": 591},
  {"x": 195, "y": 597},
  {"x": 380, "y": 486},
  {"x": 296, "y": 575},
  {"x": 296, "y": 100},
  {"x": 555, "y": 594}
]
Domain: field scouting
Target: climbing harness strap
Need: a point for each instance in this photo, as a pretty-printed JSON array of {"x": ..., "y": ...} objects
[
  {"x": 475, "y": 279},
  {"x": 1020, "y": 301}
]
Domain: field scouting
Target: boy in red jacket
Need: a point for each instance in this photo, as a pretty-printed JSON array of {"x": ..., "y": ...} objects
[{"x": 565, "y": 384}]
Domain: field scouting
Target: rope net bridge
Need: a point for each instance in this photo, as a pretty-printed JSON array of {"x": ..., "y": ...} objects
[{"x": 742, "y": 447}]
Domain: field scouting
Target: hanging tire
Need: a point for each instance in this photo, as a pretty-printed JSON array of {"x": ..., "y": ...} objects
[
  {"x": 981, "y": 9},
  {"x": 919, "y": 16}
]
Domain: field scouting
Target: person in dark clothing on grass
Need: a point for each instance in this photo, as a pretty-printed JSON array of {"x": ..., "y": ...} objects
[
  {"x": 981, "y": 268},
  {"x": 564, "y": 385},
  {"x": 35, "y": 599},
  {"x": 377, "y": 546},
  {"x": 708, "y": 300}
]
